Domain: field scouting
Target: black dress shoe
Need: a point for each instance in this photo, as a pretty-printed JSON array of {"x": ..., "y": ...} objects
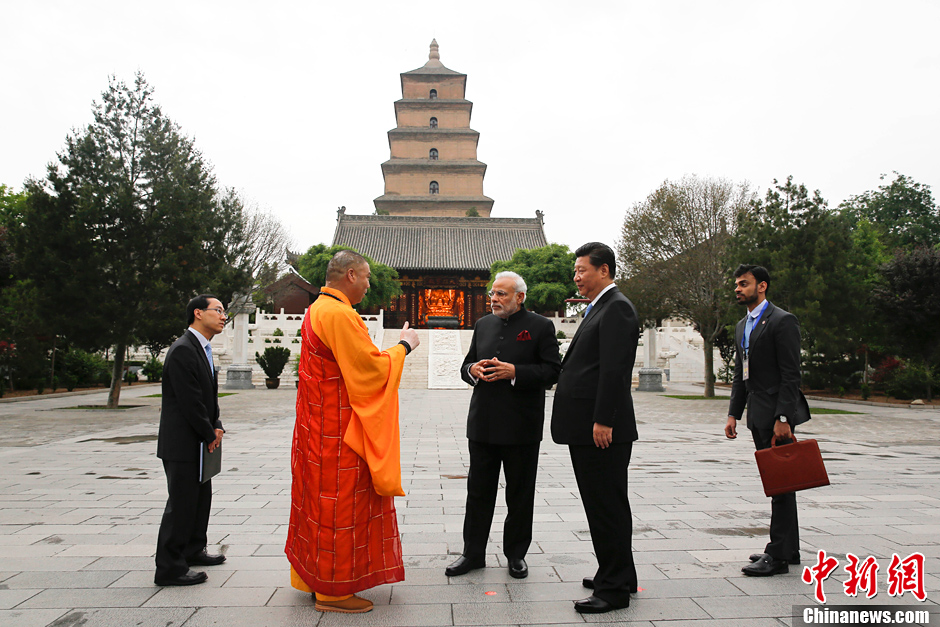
[
  {"x": 191, "y": 578},
  {"x": 765, "y": 566},
  {"x": 588, "y": 582},
  {"x": 464, "y": 565},
  {"x": 204, "y": 559},
  {"x": 518, "y": 568},
  {"x": 594, "y": 605},
  {"x": 794, "y": 559}
]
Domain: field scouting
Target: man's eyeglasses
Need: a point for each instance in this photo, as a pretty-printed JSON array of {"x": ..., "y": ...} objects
[
  {"x": 498, "y": 294},
  {"x": 218, "y": 310}
]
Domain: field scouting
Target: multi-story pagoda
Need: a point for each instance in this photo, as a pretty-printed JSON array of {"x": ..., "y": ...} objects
[
  {"x": 433, "y": 169},
  {"x": 433, "y": 223}
]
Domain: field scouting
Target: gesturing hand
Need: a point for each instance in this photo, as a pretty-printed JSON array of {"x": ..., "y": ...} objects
[{"x": 409, "y": 335}]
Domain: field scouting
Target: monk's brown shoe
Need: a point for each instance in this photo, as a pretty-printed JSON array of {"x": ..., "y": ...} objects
[{"x": 352, "y": 605}]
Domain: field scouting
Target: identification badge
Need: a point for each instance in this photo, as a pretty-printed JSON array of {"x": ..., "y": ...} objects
[{"x": 746, "y": 373}]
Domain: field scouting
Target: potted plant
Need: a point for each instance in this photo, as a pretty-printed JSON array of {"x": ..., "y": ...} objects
[
  {"x": 272, "y": 362},
  {"x": 295, "y": 365}
]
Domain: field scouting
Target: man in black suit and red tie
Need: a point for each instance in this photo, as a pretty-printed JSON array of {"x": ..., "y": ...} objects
[
  {"x": 593, "y": 415},
  {"x": 767, "y": 380},
  {"x": 513, "y": 359},
  {"x": 189, "y": 418}
]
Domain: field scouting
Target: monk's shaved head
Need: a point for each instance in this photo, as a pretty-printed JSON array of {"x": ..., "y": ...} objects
[{"x": 341, "y": 262}]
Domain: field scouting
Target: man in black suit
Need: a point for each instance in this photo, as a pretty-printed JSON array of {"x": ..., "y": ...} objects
[
  {"x": 189, "y": 418},
  {"x": 513, "y": 359},
  {"x": 767, "y": 380},
  {"x": 593, "y": 415}
]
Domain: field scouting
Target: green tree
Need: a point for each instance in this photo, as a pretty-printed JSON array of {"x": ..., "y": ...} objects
[
  {"x": 125, "y": 228},
  {"x": 548, "y": 272},
  {"x": 674, "y": 248},
  {"x": 383, "y": 284},
  {"x": 908, "y": 302},
  {"x": 23, "y": 329},
  {"x": 903, "y": 210},
  {"x": 820, "y": 270}
]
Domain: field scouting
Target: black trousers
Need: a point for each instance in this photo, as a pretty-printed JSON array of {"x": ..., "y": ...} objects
[
  {"x": 602, "y": 482},
  {"x": 784, "y": 526},
  {"x": 520, "y": 465},
  {"x": 185, "y": 520}
]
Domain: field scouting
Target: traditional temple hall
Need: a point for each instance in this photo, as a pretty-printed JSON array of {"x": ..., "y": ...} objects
[{"x": 433, "y": 223}]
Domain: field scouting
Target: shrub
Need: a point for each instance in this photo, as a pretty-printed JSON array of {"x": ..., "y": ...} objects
[
  {"x": 80, "y": 368},
  {"x": 153, "y": 369},
  {"x": 278, "y": 332},
  {"x": 909, "y": 382},
  {"x": 131, "y": 377},
  {"x": 273, "y": 360}
]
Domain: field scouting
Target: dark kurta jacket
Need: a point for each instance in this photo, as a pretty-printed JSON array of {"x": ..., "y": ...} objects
[
  {"x": 597, "y": 374},
  {"x": 773, "y": 385},
  {"x": 500, "y": 412},
  {"x": 189, "y": 414}
]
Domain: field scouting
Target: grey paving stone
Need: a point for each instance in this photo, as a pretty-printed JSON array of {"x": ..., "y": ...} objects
[
  {"x": 9, "y": 599},
  {"x": 44, "y": 563},
  {"x": 89, "y": 598},
  {"x": 29, "y": 618},
  {"x": 394, "y": 616},
  {"x": 522, "y": 613},
  {"x": 752, "y": 622},
  {"x": 746, "y": 608},
  {"x": 699, "y": 511},
  {"x": 163, "y": 617},
  {"x": 66, "y": 579},
  {"x": 259, "y": 578},
  {"x": 201, "y": 596},
  {"x": 467, "y": 593}
]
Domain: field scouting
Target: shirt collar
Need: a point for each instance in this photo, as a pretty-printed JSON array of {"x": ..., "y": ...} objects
[
  {"x": 199, "y": 336},
  {"x": 603, "y": 291},
  {"x": 758, "y": 310}
]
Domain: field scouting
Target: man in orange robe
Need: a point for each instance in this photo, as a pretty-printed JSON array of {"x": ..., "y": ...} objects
[{"x": 345, "y": 460}]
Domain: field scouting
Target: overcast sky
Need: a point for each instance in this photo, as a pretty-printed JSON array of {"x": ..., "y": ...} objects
[{"x": 583, "y": 108}]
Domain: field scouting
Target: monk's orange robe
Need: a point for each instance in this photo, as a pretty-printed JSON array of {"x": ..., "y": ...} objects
[{"x": 346, "y": 458}]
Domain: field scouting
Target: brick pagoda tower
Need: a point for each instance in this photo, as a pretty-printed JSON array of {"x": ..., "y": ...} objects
[{"x": 433, "y": 169}]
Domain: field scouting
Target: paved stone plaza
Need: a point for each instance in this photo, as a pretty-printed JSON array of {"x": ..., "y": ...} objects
[{"x": 82, "y": 492}]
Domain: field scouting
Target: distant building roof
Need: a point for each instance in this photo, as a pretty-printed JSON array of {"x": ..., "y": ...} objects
[{"x": 438, "y": 243}]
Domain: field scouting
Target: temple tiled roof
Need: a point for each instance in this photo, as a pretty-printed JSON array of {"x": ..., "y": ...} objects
[{"x": 438, "y": 243}]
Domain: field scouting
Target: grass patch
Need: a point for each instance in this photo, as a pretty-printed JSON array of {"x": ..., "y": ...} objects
[
  {"x": 821, "y": 410},
  {"x": 692, "y": 397},
  {"x": 221, "y": 394}
]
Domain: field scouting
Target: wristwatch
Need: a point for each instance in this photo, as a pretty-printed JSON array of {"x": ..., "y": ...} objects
[{"x": 782, "y": 419}]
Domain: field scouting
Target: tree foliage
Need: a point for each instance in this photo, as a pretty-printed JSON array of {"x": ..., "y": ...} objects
[
  {"x": 125, "y": 228},
  {"x": 821, "y": 271},
  {"x": 383, "y": 284},
  {"x": 673, "y": 251},
  {"x": 548, "y": 273},
  {"x": 908, "y": 302},
  {"x": 903, "y": 210}
]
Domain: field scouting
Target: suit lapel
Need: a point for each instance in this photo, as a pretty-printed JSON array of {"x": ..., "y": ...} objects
[
  {"x": 201, "y": 351},
  {"x": 591, "y": 315},
  {"x": 759, "y": 327}
]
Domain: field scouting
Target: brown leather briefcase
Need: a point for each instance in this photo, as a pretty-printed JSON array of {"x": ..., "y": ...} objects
[{"x": 791, "y": 467}]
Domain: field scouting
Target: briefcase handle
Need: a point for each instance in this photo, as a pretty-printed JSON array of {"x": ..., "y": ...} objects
[{"x": 773, "y": 440}]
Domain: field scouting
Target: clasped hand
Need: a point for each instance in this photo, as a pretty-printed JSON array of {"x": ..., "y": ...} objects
[{"x": 493, "y": 370}]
